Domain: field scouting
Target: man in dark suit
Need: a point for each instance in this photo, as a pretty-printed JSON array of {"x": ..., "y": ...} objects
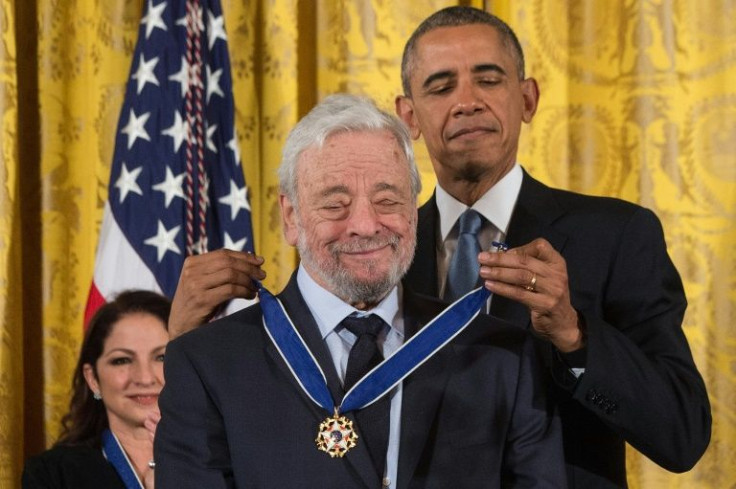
[
  {"x": 239, "y": 408},
  {"x": 591, "y": 276}
]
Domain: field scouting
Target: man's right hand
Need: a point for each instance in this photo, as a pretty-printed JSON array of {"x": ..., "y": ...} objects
[{"x": 209, "y": 280}]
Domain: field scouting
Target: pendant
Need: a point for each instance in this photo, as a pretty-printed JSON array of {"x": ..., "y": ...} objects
[{"x": 336, "y": 435}]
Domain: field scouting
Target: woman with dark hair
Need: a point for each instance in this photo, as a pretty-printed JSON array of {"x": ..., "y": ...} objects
[{"x": 117, "y": 380}]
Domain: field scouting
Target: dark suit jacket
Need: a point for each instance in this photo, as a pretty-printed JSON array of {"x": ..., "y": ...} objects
[
  {"x": 640, "y": 383},
  {"x": 70, "y": 467},
  {"x": 473, "y": 416}
]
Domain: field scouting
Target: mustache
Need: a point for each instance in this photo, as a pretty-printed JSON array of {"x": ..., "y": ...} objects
[{"x": 359, "y": 245}]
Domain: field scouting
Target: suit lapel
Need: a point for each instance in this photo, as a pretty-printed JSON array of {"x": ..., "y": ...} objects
[
  {"x": 535, "y": 212},
  {"x": 422, "y": 390},
  {"x": 422, "y": 275},
  {"x": 298, "y": 311}
]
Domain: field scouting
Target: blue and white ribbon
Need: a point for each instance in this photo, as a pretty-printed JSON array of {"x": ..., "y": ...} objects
[
  {"x": 412, "y": 354},
  {"x": 115, "y": 454}
]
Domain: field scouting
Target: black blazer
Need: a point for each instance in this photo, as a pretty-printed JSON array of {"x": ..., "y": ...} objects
[
  {"x": 640, "y": 384},
  {"x": 473, "y": 416},
  {"x": 70, "y": 467}
]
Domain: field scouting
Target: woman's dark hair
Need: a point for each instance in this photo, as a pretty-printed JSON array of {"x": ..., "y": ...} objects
[{"x": 87, "y": 418}]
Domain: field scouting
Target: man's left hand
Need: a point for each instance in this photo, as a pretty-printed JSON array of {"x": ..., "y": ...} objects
[{"x": 536, "y": 275}]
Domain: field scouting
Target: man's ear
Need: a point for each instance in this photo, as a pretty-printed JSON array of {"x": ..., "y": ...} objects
[
  {"x": 288, "y": 220},
  {"x": 405, "y": 111},
  {"x": 530, "y": 94}
]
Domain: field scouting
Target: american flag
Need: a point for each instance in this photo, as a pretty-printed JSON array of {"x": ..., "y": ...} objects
[{"x": 176, "y": 184}]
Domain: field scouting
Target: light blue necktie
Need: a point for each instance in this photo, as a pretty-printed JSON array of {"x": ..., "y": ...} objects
[{"x": 463, "y": 273}]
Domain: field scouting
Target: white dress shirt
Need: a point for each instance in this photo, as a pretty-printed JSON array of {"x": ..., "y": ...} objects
[
  {"x": 328, "y": 311},
  {"x": 496, "y": 206}
]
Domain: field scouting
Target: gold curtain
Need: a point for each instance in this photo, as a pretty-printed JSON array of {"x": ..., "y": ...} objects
[{"x": 637, "y": 102}]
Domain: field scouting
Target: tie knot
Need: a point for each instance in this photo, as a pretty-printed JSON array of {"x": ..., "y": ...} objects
[
  {"x": 364, "y": 325},
  {"x": 470, "y": 222}
]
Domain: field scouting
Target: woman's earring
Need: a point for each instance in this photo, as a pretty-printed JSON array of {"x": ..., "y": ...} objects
[{"x": 96, "y": 396}]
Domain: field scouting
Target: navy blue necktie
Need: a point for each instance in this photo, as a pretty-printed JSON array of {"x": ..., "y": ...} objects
[
  {"x": 373, "y": 421},
  {"x": 462, "y": 276}
]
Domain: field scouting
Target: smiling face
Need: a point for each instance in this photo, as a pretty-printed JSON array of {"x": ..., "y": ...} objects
[
  {"x": 129, "y": 373},
  {"x": 468, "y": 103},
  {"x": 355, "y": 225}
]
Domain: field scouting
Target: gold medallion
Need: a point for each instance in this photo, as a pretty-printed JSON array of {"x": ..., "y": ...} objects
[{"x": 336, "y": 435}]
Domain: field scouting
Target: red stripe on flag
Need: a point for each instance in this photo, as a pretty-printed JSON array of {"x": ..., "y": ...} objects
[{"x": 94, "y": 302}]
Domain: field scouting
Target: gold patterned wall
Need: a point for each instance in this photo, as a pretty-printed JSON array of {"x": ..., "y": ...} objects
[{"x": 637, "y": 102}]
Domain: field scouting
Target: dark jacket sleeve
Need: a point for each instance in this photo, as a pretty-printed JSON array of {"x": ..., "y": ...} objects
[
  {"x": 190, "y": 447},
  {"x": 640, "y": 377}
]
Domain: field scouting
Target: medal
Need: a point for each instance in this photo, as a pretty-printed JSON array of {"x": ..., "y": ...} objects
[{"x": 336, "y": 435}]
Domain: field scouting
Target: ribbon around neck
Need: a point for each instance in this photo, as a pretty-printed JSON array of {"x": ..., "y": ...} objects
[
  {"x": 115, "y": 454},
  {"x": 410, "y": 356}
]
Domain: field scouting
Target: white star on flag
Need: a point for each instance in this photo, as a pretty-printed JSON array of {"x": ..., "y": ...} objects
[
  {"x": 153, "y": 19},
  {"x": 145, "y": 74},
  {"x": 164, "y": 240},
  {"x": 127, "y": 182},
  {"x": 234, "y": 245},
  {"x": 210, "y": 132},
  {"x": 235, "y": 147},
  {"x": 237, "y": 199},
  {"x": 213, "y": 83},
  {"x": 171, "y": 186},
  {"x": 215, "y": 28},
  {"x": 135, "y": 128},
  {"x": 182, "y": 76},
  {"x": 179, "y": 131}
]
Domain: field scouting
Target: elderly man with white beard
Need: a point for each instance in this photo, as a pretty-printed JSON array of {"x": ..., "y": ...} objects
[{"x": 347, "y": 378}]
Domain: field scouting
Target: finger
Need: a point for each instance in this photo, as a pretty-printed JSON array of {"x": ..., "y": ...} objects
[
  {"x": 539, "y": 249},
  {"x": 215, "y": 261},
  {"x": 533, "y": 300},
  {"x": 517, "y": 277},
  {"x": 193, "y": 284}
]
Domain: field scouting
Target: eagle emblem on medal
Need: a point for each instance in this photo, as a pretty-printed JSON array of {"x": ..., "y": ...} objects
[{"x": 336, "y": 436}]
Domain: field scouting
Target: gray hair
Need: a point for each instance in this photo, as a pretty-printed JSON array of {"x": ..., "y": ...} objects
[
  {"x": 337, "y": 114},
  {"x": 455, "y": 17}
]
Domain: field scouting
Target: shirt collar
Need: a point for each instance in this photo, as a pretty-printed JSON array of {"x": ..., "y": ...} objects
[
  {"x": 496, "y": 205},
  {"x": 328, "y": 309}
]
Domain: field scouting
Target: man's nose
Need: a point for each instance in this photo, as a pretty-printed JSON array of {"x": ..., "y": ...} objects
[
  {"x": 364, "y": 220},
  {"x": 468, "y": 101}
]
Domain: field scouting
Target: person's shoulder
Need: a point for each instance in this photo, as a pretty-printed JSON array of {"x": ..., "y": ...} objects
[
  {"x": 580, "y": 209},
  {"x": 594, "y": 203},
  {"x": 58, "y": 466},
  {"x": 78, "y": 466},
  {"x": 66, "y": 453},
  {"x": 484, "y": 329},
  {"x": 239, "y": 328}
]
